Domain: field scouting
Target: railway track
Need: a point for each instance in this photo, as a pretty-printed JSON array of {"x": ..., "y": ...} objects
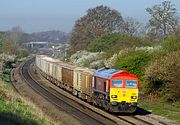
[
  {"x": 141, "y": 120},
  {"x": 86, "y": 117},
  {"x": 82, "y": 111}
]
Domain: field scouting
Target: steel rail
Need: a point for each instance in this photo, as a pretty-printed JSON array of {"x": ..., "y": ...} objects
[
  {"x": 84, "y": 117},
  {"x": 80, "y": 113}
]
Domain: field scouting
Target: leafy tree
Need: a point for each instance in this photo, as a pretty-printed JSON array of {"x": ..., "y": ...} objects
[
  {"x": 104, "y": 42},
  {"x": 163, "y": 20},
  {"x": 96, "y": 22},
  {"x": 113, "y": 42},
  {"x": 135, "y": 62}
]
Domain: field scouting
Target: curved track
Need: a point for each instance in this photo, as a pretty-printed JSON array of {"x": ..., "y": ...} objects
[
  {"x": 63, "y": 103},
  {"x": 82, "y": 112}
]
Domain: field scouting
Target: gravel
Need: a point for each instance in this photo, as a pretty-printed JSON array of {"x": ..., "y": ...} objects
[{"x": 50, "y": 111}]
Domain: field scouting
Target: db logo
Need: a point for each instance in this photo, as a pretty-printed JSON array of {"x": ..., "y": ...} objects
[{"x": 124, "y": 91}]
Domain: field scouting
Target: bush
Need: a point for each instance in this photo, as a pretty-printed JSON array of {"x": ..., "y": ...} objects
[
  {"x": 135, "y": 62},
  {"x": 115, "y": 42},
  {"x": 87, "y": 59},
  {"x": 171, "y": 44},
  {"x": 162, "y": 76},
  {"x": 7, "y": 71},
  {"x": 23, "y": 53}
]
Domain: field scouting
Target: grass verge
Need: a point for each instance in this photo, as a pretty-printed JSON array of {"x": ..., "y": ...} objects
[
  {"x": 168, "y": 110},
  {"x": 14, "y": 110}
]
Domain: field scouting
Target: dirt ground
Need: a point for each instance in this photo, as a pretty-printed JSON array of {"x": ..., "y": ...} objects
[{"x": 49, "y": 110}]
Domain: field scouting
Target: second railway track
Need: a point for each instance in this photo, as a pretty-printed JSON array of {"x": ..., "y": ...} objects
[{"x": 84, "y": 113}]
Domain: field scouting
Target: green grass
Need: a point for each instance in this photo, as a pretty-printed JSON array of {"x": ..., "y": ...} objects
[
  {"x": 6, "y": 78},
  {"x": 18, "y": 113},
  {"x": 14, "y": 110},
  {"x": 7, "y": 82},
  {"x": 169, "y": 110}
]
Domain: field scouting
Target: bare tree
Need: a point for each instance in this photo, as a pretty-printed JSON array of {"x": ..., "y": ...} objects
[
  {"x": 132, "y": 26},
  {"x": 96, "y": 22},
  {"x": 163, "y": 20},
  {"x": 16, "y": 33}
]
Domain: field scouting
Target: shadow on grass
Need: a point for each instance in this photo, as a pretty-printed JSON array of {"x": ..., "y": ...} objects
[{"x": 7, "y": 118}]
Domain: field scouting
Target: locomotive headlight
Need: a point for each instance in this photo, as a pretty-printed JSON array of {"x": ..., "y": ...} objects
[
  {"x": 114, "y": 96},
  {"x": 133, "y": 97}
]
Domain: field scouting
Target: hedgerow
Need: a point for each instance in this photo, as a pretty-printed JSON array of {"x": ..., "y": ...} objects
[
  {"x": 162, "y": 76},
  {"x": 134, "y": 62},
  {"x": 171, "y": 43}
]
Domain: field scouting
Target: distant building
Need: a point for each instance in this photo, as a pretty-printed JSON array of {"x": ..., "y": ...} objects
[{"x": 37, "y": 45}]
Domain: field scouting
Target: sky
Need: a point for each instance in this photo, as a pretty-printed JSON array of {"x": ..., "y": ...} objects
[{"x": 44, "y": 15}]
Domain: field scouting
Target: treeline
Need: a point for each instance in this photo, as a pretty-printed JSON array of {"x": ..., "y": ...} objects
[
  {"x": 151, "y": 52},
  {"x": 12, "y": 42},
  {"x": 10, "y": 50},
  {"x": 102, "y": 19}
]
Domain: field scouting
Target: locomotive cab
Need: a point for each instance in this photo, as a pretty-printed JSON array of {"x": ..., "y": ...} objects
[{"x": 121, "y": 88}]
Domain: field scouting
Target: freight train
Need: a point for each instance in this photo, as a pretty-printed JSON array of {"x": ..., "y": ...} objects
[{"x": 114, "y": 90}]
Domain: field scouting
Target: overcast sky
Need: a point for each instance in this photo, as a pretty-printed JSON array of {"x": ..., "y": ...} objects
[{"x": 43, "y": 15}]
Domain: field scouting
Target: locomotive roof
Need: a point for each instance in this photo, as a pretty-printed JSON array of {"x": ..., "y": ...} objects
[{"x": 106, "y": 73}]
